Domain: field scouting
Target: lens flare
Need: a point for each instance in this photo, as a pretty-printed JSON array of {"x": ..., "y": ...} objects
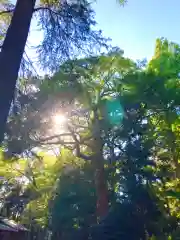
[{"x": 59, "y": 119}]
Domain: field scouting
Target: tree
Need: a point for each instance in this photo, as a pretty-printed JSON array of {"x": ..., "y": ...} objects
[
  {"x": 18, "y": 187},
  {"x": 66, "y": 27},
  {"x": 92, "y": 93},
  {"x": 86, "y": 82},
  {"x": 165, "y": 61},
  {"x": 112, "y": 96},
  {"x": 143, "y": 200},
  {"x": 61, "y": 187},
  {"x": 74, "y": 207}
]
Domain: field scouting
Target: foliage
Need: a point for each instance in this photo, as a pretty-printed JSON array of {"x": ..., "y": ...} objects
[
  {"x": 112, "y": 96},
  {"x": 68, "y": 31},
  {"x": 166, "y": 59},
  {"x": 65, "y": 27},
  {"x": 5, "y": 18}
]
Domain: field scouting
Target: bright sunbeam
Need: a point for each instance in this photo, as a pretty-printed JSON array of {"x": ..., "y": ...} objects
[
  {"x": 59, "y": 119},
  {"x": 59, "y": 122}
]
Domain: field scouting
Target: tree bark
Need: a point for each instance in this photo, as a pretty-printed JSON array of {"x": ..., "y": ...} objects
[
  {"x": 102, "y": 205},
  {"x": 11, "y": 55}
]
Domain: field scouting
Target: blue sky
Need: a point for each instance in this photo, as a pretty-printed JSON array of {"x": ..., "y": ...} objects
[{"x": 135, "y": 27}]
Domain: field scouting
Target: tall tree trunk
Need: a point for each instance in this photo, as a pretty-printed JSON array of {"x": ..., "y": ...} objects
[
  {"x": 101, "y": 187},
  {"x": 102, "y": 205},
  {"x": 11, "y": 55}
]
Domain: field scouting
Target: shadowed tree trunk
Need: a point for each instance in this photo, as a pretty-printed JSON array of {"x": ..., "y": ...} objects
[
  {"x": 11, "y": 55},
  {"x": 98, "y": 164},
  {"x": 101, "y": 187}
]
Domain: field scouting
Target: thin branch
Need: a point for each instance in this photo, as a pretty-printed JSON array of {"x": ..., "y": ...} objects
[
  {"x": 47, "y": 9},
  {"x": 84, "y": 139},
  {"x": 32, "y": 175},
  {"x": 73, "y": 134},
  {"x": 54, "y": 136},
  {"x": 7, "y": 11},
  {"x": 77, "y": 147},
  {"x": 30, "y": 62},
  {"x": 39, "y": 9},
  {"x": 56, "y": 143},
  {"x": 23, "y": 174},
  {"x": 79, "y": 126},
  {"x": 85, "y": 157}
]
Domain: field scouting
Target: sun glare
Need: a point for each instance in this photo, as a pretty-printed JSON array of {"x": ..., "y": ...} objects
[{"x": 59, "y": 119}]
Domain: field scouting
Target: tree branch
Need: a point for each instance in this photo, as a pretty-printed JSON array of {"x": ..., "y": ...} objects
[
  {"x": 47, "y": 9},
  {"x": 32, "y": 180},
  {"x": 6, "y": 11},
  {"x": 77, "y": 146},
  {"x": 56, "y": 143},
  {"x": 85, "y": 157},
  {"x": 54, "y": 136}
]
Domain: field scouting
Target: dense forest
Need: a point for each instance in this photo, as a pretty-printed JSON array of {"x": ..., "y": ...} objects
[{"x": 90, "y": 150}]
